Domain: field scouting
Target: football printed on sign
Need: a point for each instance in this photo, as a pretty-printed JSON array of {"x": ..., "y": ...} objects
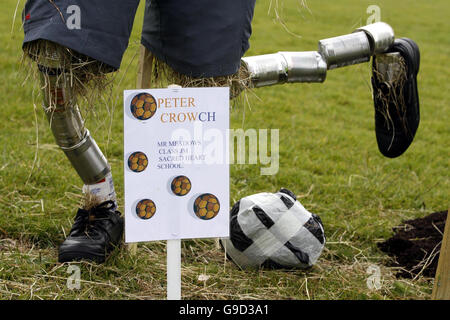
[
  {"x": 181, "y": 185},
  {"x": 137, "y": 161},
  {"x": 143, "y": 106},
  {"x": 145, "y": 209},
  {"x": 170, "y": 159},
  {"x": 206, "y": 206}
]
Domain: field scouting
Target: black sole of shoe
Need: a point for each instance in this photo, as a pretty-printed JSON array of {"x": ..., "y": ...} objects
[
  {"x": 80, "y": 256},
  {"x": 70, "y": 256}
]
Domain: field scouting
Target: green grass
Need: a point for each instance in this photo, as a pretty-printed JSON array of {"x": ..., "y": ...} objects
[{"x": 328, "y": 156}]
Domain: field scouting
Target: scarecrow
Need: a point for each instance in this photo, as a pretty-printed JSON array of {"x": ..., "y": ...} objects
[{"x": 75, "y": 43}]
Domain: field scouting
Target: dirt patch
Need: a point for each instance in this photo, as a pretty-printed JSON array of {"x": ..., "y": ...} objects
[{"x": 416, "y": 244}]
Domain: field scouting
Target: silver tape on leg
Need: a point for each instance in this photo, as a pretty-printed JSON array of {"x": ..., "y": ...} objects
[
  {"x": 305, "y": 66},
  {"x": 282, "y": 67},
  {"x": 311, "y": 66},
  {"x": 345, "y": 50},
  {"x": 68, "y": 127},
  {"x": 61, "y": 110},
  {"x": 357, "y": 47},
  {"x": 57, "y": 88},
  {"x": 88, "y": 160},
  {"x": 267, "y": 69},
  {"x": 381, "y": 36}
]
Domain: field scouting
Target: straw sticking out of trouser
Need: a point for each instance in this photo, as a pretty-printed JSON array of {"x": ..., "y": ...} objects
[
  {"x": 89, "y": 78},
  {"x": 163, "y": 75}
]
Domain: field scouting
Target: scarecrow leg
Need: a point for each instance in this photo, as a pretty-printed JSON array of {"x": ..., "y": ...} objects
[
  {"x": 71, "y": 135},
  {"x": 312, "y": 66},
  {"x": 394, "y": 77},
  {"x": 105, "y": 224},
  {"x": 75, "y": 44}
]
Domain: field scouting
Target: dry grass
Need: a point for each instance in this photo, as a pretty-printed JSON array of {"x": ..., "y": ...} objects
[
  {"x": 205, "y": 275},
  {"x": 90, "y": 80},
  {"x": 327, "y": 154},
  {"x": 163, "y": 75},
  {"x": 393, "y": 95}
]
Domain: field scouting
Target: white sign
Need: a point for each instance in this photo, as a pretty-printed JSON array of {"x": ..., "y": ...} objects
[{"x": 176, "y": 163}]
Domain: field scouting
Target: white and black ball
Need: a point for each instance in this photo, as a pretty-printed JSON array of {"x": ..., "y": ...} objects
[{"x": 273, "y": 230}]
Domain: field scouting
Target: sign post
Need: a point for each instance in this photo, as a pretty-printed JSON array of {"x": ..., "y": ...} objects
[
  {"x": 176, "y": 169},
  {"x": 173, "y": 262},
  {"x": 174, "y": 269}
]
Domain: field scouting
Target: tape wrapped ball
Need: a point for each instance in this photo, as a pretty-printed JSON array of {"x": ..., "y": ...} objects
[{"x": 273, "y": 230}]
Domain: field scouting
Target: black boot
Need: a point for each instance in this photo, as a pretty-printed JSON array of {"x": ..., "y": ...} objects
[
  {"x": 95, "y": 233},
  {"x": 397, "y": 113}
]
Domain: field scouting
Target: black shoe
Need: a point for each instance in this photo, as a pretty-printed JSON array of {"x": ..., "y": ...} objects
[
  {"x": 95, "y": 233},
  {"x": 397, "y": 112}
]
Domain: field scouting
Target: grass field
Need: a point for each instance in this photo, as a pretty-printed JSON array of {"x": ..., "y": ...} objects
[{"x": 328, "y": 157}]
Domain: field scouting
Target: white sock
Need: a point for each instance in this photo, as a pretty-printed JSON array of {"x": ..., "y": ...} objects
[{"x": 102, "y": 190}]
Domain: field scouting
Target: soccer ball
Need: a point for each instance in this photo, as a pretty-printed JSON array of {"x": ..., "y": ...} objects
[
  {"x": 145, "y": 209},
  {"x": 206, "y": 206},
  {"x": 137, "y": 161},
  {"x": 181, "y": 185},
  {"x": 143, "y": 106},
  {"x": 273, "y": 230}
]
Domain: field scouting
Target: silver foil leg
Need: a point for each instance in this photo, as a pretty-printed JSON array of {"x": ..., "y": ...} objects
[
  {"x": 266, "y": 70},
  {"x": 311, "y": 66},
  {"x": 68, "y": 127},
  {"x": 357, "y": 47},
  {"x": 345, "y": 50},
  {"x": 285, "y": 67},
  {"x": 381, "y": 36},
  {"x": 305, "y": 66}
]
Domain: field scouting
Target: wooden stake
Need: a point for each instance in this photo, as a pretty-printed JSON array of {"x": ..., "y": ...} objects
[
  {"x": 144, "y": 76},
  {"x": 441, "y": 289},
  {"x": 143, "y": 81}
]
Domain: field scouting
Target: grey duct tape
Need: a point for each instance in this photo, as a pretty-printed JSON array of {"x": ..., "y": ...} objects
[
  {"x": 311, "y": 66},
  {"x": 357, "y": 47},
  {"x": 69, "y": 131},
  {"x": 381, "y": 36},
  {"x": 305, "y": 66},
  {"x": 273, "y": 230},
  {"x": 345, "y": 50},
  {"x": 284, "y": 67},
  {"x": 88, "y": 160},
  {"x": 267, "y": 69}
]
